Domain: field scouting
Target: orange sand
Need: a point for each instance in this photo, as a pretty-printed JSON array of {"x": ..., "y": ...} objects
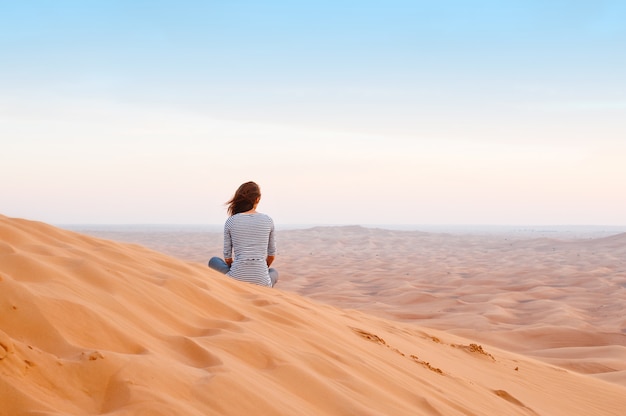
[
  {"x": 563, "y": 302},
  {"x": 96, "y": 327}
]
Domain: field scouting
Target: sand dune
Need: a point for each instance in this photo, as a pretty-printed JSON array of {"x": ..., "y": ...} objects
[
  {"x": 537, "y": 296},
  {"x": 90, "y": 326}
]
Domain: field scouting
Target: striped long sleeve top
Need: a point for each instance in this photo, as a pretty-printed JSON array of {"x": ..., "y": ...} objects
[{"x": 248, "y": 240}]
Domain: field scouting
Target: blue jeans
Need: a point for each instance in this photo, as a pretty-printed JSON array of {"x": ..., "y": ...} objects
[{"x": 217, "y": 263}]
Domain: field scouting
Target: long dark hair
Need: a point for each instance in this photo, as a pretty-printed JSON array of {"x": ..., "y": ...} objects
[{"x": 244, "y": 199}]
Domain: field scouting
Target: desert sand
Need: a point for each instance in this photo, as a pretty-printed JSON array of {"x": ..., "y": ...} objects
[
  {"x": 363, "y": 322},
  {"x": 560, "y": 299}
]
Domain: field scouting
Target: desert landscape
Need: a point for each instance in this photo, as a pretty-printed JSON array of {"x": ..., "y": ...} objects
[
  {"x": 96, "y": 326},
  {"x": 561, "y": 299},
  {"x": 445, "y": 180}
]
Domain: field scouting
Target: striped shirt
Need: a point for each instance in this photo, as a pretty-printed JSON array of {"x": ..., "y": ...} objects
[{"x": 251, "y": 238}]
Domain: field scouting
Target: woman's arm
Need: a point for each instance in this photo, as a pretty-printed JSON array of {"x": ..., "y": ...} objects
[
  {"x": 271, "y": 245},
  {"x": 228, "y": 244}
]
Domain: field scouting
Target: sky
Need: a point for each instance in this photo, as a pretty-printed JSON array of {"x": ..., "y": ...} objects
[{"x": 344, "y": 112}]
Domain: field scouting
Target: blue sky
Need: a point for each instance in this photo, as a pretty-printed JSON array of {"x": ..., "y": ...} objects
[{"x": 421, "y": 112}]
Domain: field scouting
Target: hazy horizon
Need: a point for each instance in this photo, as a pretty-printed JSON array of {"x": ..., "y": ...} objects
[
  {"x": 116, "y": 231},
  {"x": 406, "y": 112}
]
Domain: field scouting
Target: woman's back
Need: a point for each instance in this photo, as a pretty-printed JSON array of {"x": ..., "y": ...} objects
[
  {"x": 249, "y": 239},
  {"x": 252, "y": 236}
]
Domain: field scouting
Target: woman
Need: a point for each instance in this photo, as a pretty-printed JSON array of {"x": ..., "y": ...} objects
[{"x": 250, "y": 236}]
